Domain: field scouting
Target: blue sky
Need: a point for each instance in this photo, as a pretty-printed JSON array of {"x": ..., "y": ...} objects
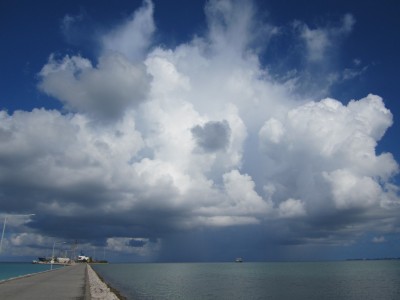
[{"x": 201, "y": 130}]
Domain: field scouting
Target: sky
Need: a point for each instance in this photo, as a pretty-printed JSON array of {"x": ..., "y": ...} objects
[{"x": 200, "y": 130}]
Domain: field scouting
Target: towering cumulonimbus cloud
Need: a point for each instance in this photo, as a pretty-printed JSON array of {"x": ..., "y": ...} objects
[{"x": 155, "y": 141}]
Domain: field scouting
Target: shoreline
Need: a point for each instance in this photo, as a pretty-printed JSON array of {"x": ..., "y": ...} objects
[
  {"x": 99, "y": 288},
  {"x": 61, "y": 283},
  {"x": 25, "y": 275},
  {"x": 95, "y": 287}
]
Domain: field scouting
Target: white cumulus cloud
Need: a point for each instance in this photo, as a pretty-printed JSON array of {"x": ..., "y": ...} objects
[{"x": 155, "y": 141}]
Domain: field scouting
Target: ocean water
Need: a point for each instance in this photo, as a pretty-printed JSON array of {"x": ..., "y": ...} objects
[
  {"x": 280, "y": 280},
  {"x": 11, "y": 270}
]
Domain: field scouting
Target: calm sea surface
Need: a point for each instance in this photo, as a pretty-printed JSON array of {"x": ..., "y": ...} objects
[
  {"x": 303, "y": 280},
  {"x": 10, "y": 270}
]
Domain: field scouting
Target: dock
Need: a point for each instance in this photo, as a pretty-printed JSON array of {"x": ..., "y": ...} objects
[{"x": 72, "y": 282}]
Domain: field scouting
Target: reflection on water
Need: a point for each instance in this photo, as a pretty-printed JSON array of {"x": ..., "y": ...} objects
[{"x": 305, "y": 280}]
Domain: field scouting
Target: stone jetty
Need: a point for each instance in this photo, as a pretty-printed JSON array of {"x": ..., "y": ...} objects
[{"x": 73, "y": 282}]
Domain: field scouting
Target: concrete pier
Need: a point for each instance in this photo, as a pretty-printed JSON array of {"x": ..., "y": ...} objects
[{"x": 65, "y": 283}]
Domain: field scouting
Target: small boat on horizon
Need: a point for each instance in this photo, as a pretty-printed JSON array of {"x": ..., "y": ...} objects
[{"x": 238, "y": 260}]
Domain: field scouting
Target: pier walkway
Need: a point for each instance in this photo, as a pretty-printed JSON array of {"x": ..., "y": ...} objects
[{"x": 64, "y": 283}]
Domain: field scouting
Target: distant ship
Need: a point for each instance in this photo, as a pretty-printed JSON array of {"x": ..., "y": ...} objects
[{"x": 238, "y": 260}]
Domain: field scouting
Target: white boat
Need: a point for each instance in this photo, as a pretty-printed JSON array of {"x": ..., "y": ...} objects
[{"x": 83, "y": 258}]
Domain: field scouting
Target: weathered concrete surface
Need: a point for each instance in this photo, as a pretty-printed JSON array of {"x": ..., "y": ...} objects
[{"x": 64, "y": 283}]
